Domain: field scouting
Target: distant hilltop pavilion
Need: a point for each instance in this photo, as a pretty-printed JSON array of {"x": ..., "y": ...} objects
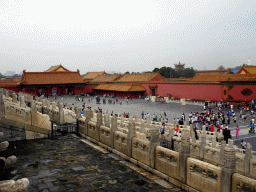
[{"x": 179, "y": 66}]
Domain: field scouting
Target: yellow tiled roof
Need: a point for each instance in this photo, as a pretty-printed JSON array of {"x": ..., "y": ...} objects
[
  {"x": 107, "y": 78},
  {"x": 41, "y": 78},
  {"x": 120, "y": 87},
  {"x": 57, "y": 68},
  {"x": 249, "y": 69},
  {"x": 210, "y": 77},
  {"x": 93, "y": 75},
  {"x": 137, "y": 77}
]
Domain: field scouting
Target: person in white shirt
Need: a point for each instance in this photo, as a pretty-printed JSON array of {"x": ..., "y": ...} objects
[{"x": 179, "y": 134}]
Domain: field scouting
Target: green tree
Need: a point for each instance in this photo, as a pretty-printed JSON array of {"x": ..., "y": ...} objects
[
  {"x": 189, "y": 73},
  {"x": 156, "y": 70}
]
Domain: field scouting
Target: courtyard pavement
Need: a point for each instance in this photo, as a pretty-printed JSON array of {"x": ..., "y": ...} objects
[{"x": 68, "y": 164}]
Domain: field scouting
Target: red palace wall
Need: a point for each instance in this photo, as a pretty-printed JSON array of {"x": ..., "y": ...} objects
[
  {"x": 89, "y": 88},
  {"x": 192, "y": 91},
  {"x": 235, "y": 92},
  {"x": 16, "y": 89}
]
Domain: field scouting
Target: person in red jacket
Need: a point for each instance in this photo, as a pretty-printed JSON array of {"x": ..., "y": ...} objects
[{"x": 212, "y": 128}]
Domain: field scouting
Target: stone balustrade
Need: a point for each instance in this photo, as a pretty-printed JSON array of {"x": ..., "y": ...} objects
[
  {"x": 203, "y": 176},
  {"x": 140, "y": 150},
  {"x": 203, "y": 165},
  {"x": 121, "y": 142},
  {"x": 167, "y": 162}
]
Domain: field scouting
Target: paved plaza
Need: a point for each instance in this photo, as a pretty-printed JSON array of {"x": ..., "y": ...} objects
[
  {"x": 68, "y": 164},
  {"x": 173, "y": 110}
]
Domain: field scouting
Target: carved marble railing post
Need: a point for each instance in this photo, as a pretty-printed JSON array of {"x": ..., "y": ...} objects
[
  {"x": 1, "y": 104},
  {"x": 247, "y": 158},
  {"x": 222, "y": 147},
  {"x": 14, "y": 98},
  {"x": 136, "y": 118},
  {"x": 107, "y": 121},
  {"x": 184, "y": 154},
  {"x": 113, "y": 128},
  {"x": 148, "y": 122},
  {"x": 131, "y": 134},
  {"x": 48, "y": 105},
  {"x": 33, "y": 112},
  {"x": 61, "y": 113},
  {"x": 6, "y": 93},
  {"x": 43, "y": 102},
  {"x": 22, "y": 101},
  {"x": 214, "y": 141},
  {"x": 142, "y": 127},
  {"x": 203, "y": 142},
  {"x": 98, "y": 124},
  {"x": 152, "y": 145},
  {"x": 53, "y": 110},
  {"x": 88, "y": 115},
  {"x": 78, "y": 112},
  {"x": 169, "y": 137},
  {"x": 192, "y": 127},
  {"x": 53, "y": 106},
  {"x": 229, "y": 167},
  {"x": 122, "y": 120}
]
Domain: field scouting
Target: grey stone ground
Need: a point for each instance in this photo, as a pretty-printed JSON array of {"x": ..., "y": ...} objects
[{"x": 67, "y": 164}]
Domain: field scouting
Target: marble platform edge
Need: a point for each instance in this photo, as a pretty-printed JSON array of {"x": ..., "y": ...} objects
[{"x": 141, "y": 168}]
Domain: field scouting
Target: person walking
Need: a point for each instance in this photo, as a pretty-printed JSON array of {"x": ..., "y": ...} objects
[
  {"x": 237, "y": 131},
  {"x": 234, "y": 118},
  {"x": 162, "y": 131},
  {"x": 228, "y": 119}
]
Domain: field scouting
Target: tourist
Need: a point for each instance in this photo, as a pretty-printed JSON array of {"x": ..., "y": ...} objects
[
  {"x": 237, "y": 131},
  {"x": 212, "y": 128},
  {"x": 226, "y": 134},
  {"x": 111, "y": 113},
  {"x": 162, "y": 131},
  {"x": 179, "y": 134},
  {"x": 177, "y": 130},
  {"x": 251, "y": 127},
  {"x": 234, "y": 119},
  {"x": 228, "y": 120},
  {"x": 196, "y": 134},
  {"x": 243, "y": 144}
]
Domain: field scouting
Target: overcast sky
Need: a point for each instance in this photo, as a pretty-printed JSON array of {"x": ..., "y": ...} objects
[{"x": 118, "y": 35}]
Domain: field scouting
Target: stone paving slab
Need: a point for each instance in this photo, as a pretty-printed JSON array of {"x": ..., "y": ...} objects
[{"x": 68, "y": 164}]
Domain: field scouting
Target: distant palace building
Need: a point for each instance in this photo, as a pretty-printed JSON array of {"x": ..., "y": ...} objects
[{"x": 220, "y": 70}]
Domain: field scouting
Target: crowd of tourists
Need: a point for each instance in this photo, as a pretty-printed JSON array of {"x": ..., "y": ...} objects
[{"x": 218, "y": 120}]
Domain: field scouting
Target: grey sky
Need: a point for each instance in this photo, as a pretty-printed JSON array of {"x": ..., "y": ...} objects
[{"x": 126, "y": 35}]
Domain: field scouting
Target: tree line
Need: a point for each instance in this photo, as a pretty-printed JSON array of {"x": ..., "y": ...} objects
[{"x": 169, "y": 72}]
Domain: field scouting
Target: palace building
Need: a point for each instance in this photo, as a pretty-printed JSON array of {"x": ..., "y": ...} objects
[
  {"x": 56, "y": 80},
  {"x": 205, "y": 86}
]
